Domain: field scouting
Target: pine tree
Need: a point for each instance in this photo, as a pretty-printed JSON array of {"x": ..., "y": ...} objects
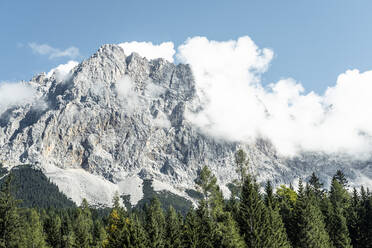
[
  {"x": 311, "y": 232},
  {"x": 365, "y": 219},
  {"x": 53, "y": 231},
  {"x": 10, "y": 223},
  {"x": 316, "y": 186},
  {"x": 253, "y": 222},
  {"x": 115, "y": 227},
  {"x": 206, "y": 227},
  {"x": 277, "y": 232},
  {"x": 134, "y": 236},
  {"x": 35, "y": 233},
  {"x": 206, "y": 183},
  {"x": 84, "y": 226},
  {"x": 353, "y": 221},
  {"x": 155, "y": 224},
  {"x": 173, "y": 229},
  {"x": 99, "y": 234},
  {"x": 190, "y": 234},
  {"x": 67, "y": 231},
  {"x": 338, "y": 230},
  {"x": 341, "y": 178},
  {"x": 217, "y": 228}
]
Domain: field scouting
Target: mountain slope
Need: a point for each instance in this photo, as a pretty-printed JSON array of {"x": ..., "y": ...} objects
[{"x": 116, "y": 120}]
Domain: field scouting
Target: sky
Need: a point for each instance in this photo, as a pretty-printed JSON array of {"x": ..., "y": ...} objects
[{"x": 313, "y": 41}]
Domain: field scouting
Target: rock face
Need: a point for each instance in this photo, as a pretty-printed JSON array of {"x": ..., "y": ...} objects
[{"x": 115, "y": 120}]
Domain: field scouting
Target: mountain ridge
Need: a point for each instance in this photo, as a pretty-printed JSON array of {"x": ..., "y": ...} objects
[{"x": 116, "y": 120}]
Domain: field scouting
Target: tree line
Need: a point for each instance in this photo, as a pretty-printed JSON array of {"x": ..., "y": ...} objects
[{"x": 309, "y": 216}]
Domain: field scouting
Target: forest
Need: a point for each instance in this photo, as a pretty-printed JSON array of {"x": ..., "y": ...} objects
[{"x": 254, "y": 216}]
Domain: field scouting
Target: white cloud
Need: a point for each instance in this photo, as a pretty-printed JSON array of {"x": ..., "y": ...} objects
[
  {"x": 12, "y": 94},
  {"x": 45, "y": 49},
  {"x": 62, "y": 71},
  {"x": 164, "y": 50},
  {"x": 237, "y": 107}
]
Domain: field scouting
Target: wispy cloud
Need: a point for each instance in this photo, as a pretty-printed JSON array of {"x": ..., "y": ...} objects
[{"x": 52, "y": 52}]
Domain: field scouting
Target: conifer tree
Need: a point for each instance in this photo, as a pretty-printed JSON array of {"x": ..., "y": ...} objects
[
  {"x": 365, "y": 219},
  {"x": 99, "y": 234},
  {"x": 338, "y": 230},
  {"x": 67, "y": 231},
  {"x": 341, "y": 178},
  {"x": 190, "y": 230},
  {"x": 253, "y": 222},
  {"x": 134, "y": 236},
  {"x": 10, "y": 223},
  {"x": 206, "y": 227},
  {"x": 84, "y": 226},
  {"x": 53, "y": 227},
  {"x": 277, "y": 233},
  {"x": 206, "y": 183},
  {"x": 115, "y": 227},
  {"x": 311, "y": 232},
  {"x": 35, "y": 234},
  {"x": 217, "y": 228},
  {"x": 155, "y": 224},
  {"x": 173, "y": 229},
  {"x": 316, "y": 186},
  {"x": 353, "y": 221}
]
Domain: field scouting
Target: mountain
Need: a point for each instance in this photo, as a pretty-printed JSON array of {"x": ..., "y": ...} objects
[{"x": 114, "y": 122}]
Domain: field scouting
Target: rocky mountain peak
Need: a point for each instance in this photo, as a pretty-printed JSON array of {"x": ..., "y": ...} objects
[{"x": 114, "y": 120}]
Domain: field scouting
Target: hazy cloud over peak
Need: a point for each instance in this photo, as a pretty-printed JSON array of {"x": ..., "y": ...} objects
[
  {"x": 45, "y": 49},
  {"x": 149, "y": 50}
]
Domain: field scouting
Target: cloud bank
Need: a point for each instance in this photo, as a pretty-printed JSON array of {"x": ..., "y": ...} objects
[
  {"x": 12, "y": 94},
  {"x": 164, "y": 50},
  {"x": 45, "y": 49},
  {"x": 236, "y": 107}
]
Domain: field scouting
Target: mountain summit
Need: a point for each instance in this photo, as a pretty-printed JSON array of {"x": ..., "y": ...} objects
[{"x": 114, "y": 120}]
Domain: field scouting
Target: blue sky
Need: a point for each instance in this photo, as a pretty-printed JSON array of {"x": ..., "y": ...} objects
[{"x": 313, "y": 41}]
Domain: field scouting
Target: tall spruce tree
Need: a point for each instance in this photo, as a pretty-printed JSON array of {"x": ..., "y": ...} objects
[
  {"x": 277, "y": 232},
  {"x": 338, "y": 230},
  {"x": 10, "y": 222},
  {"x": 287, "y": 198},
  {"x": 253, "y": 222},
  {"x": 353, "y": 221},
  {"x": 190, "y": 230},
  {"x": 311, "y": 232},
  {"x": 155, "y": 224},
  {"x": 35, "y": 235},
  {"x": 84, "y": 226},
  {"x": 173, "y": 229}
]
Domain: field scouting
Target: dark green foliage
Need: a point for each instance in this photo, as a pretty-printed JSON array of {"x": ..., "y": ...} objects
[
  {"x": 10, "y": 222},
  {"x": 341, "y": 178},
  {"x": 166, "y": 198},
  {"x": 253, "y": 222},
  {"x": 35, "y": 190},
  {"x": 190, "y": 230},
  {"x": 155, "y": 224},
  {"x": 338, "y": 230},
  {"x": 276, "y": 230},
  {"x": 311, "y": 231},
  {"x": 316, "y": 186},
  {"x": 311, "y": 217},
  {"x": 173, "y": 232}
]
